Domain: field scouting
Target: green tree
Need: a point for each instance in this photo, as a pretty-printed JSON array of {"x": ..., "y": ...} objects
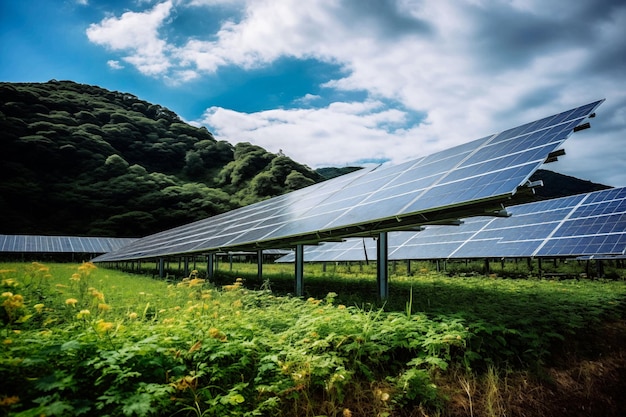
[{"x": 296, "y": 180}]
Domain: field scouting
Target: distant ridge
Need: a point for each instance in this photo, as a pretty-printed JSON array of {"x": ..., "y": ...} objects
[{"x": 559, "y": 185}]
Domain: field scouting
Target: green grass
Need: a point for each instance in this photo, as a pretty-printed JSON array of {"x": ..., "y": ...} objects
[{"x": 79, "y": 340}]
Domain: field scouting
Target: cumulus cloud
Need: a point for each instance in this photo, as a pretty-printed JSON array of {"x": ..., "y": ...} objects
[
  {"x": 114, "y": 64},
  {"x": 136, "y": 34},
  {"x": 458, "y": 71}
]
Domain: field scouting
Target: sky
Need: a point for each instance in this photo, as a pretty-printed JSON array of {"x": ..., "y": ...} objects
[{"x": 344, "y": 82}]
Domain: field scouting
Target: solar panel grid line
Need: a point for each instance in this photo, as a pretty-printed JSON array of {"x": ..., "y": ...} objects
[
  {"x": 490, "y": 184},
  {"x": 487, "y": 139},
  {"x": 167, "y": 241},
  {"x": 475, "y": 234},
  {"x": 520, "y": 235}
]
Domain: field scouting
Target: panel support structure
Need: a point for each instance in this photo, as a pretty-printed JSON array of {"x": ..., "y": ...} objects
[
  {"x": 299, "y": 270},
  {"x": 382, "y": 261},
  {"x": 210, "y": 265},
  {"x": 161, "y": 268},
  {"x": 259, "y": 263}
]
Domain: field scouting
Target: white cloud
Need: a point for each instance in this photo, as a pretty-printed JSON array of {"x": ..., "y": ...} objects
[
  {"x": 137, "y": 34},
  {"x": 471, "y": 68},
  {"x": 338, "y": 134},
  {"x": 307, "y": 99},
  {"x": 114, "y": 64}
]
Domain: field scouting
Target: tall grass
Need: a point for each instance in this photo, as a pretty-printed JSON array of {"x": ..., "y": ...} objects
[{"x": 78, "y": 339}]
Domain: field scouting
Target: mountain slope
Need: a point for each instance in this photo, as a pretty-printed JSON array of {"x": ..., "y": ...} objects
[{"x": 79, "y": 159}]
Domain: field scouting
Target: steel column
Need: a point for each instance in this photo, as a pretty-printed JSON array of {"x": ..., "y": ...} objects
[
  {"x": 382, "y": 270},
  {"x": 299, "y": 270}
]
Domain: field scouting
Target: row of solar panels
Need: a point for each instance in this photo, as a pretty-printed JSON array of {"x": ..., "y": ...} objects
[
  {"x": 472, "y": 179},
  {"x": 592, "y": 224},
  {"x": 61, "y": 244}
]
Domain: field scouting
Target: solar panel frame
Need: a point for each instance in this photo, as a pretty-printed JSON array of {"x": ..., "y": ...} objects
[
  {"x": 592, "y": 224},
  {"x": 428, "y": 189},
  {"x": 60, "y": 244}
]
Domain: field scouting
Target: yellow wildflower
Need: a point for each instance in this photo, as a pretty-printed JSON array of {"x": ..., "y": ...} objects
[
  {"x": 215, "y": 333},
  {"x": 132, "y": 315},
  {"x": 104, "y": 307},
  {"x": 196, "y": 281},
  {"x": 12, "y": 302},
  {"x": 71, "y": 302},
  {"x": 96, "y": 294},
  {"x": 237, "y": 304},
  {"x": 168, "y": 321},
  {"x": 7, "y": 401},
  {"x": 87, "y": 267},
  {"x": 75, "y": 277},
  {"x": 83, "y": 314},
  {"x": 104, "y": 326},
  {"x": 7, "y": 341},
  {"x": 39, "y": 307}
]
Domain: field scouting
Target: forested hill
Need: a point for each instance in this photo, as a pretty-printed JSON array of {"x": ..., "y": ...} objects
[{"x": 81, "y": 160}]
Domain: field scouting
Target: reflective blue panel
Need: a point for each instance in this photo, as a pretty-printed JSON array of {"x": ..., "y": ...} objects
[
  {"x": 545, "y": 228},
  {"x": 61, "y": 244},
  {"x": 486, "y": 169}
]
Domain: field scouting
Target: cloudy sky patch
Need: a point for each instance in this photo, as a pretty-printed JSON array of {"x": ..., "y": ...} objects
[{"x": 335, "y": 83}]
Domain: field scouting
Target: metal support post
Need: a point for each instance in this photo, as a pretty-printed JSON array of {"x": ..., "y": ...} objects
[
  {"x": 299, "y": 270},
  {"x": 161, "y": 268},
  {"x": 382, "y": 272},
  {"x": 210, "y": 266},
  {"x": 259, "y": 263}
]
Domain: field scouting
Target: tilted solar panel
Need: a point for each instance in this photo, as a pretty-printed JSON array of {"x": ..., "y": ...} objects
[
  {"x": 592, "y": 224},
  {"x": 466, "y": 180},
  {"x": 61, "y": 244}
]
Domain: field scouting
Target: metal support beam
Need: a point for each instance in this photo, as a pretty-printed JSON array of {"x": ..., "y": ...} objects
[
  {"x": 259, "y": 263},
  {"x": 382, "y": 261},
  {"x": 161, "y": 268},
  {"x": 299, "y": 270},
  {"x": 210, "y": 265}
]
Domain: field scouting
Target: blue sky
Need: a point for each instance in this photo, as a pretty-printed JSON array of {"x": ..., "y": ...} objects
[{"x": 344, "y": 82}]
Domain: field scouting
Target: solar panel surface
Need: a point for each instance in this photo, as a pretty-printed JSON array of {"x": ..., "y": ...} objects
[
  {"x": 592, "y": 224},
  {"x": 61, "y": 244},
  {"x": 460, "y": 180}
]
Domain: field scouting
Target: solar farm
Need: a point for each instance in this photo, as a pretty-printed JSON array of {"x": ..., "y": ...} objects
[
  {"x": 94, "y": 339},
  {"x": 465, "y": 202}
]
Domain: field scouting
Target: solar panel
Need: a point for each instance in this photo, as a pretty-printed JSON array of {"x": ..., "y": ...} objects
[
  {"x": 61, "y": 244},
  {"x": 592, "y": 224},
  {"x": 467, "y": 180}
]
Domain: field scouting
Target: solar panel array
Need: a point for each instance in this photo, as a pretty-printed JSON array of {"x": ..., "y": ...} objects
[
  {"x": 592, "y": 224},
  {"x": 61, "y": 244},
  {"x": 460, "y": 180}
]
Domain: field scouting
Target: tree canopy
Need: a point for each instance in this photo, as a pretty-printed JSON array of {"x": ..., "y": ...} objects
[{"x": 82, "y": 160}]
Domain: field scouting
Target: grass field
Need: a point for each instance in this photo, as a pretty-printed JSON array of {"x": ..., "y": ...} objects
[{"x": 82, "y": 340}]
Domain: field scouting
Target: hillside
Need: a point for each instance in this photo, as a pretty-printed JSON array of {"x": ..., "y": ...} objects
[{"x": 81, "y": 160}]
